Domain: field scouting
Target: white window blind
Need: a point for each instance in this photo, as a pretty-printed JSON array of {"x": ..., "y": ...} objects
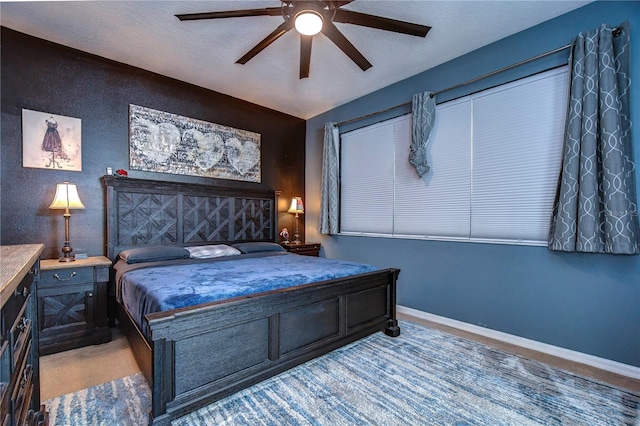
[
  {"x": 517, "y": 149},
  {"x": 437, "y": 204},
  {"x": 367, "y": 198},
  {"x": 494, "y": 158}
]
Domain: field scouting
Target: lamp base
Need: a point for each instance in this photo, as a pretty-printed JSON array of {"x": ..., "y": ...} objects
[
  {"x": 296, "y": 233},
  {"x": 66, "y": 251}
]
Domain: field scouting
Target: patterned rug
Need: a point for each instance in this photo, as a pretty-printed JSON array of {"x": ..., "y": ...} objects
[
  {"x": 423, "y": 377},
  {"x": 121, "y": 402}
]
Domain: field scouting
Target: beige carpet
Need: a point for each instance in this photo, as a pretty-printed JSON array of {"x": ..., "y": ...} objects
[{"x": 76, "y": 369}]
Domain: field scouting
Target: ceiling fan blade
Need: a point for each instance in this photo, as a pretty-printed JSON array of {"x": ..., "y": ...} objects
[
  {"x": 345, "y": 45},
  {"x": 305, "y": 55},
  {"x": 269, "y": 11},
  {"x": 276, "y": 34},
  {"x": 350, "y": 17}
]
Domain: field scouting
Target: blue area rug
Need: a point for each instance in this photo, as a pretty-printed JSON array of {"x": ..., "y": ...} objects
[
  {"x": 423, "y": 377},
  {"x": 121, "y": 402}
]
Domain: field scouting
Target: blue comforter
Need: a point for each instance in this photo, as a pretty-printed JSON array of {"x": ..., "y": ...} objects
[{"x": 148, "y": 288}]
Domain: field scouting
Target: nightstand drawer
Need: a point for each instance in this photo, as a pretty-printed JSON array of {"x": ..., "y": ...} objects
[
  {"x": 66, "y": 276},
  {"x": 306, "y": 249}
]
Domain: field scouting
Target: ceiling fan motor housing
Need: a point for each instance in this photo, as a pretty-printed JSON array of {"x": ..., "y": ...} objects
[{"x": 291, "y": 9}]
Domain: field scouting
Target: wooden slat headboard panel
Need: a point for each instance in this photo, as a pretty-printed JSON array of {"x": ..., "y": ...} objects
[{"x": 144, "y": 212}]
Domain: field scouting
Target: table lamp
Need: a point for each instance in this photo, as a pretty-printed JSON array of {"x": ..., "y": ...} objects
[
  {"x": 66, "y": 198},
  {"x": 298, "y": 208}
]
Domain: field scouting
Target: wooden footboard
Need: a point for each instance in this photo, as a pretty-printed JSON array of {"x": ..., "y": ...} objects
[{"x": 202, "y": 354}]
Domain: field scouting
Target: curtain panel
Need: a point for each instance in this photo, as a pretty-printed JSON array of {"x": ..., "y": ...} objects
[
  {"x": 330, "y": 191},
  {"x": 596, "y": 208},
  {"x": 424, "y": 114}
]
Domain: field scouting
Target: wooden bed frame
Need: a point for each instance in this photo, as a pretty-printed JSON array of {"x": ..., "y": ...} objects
[{"x": 201, "y": 354}]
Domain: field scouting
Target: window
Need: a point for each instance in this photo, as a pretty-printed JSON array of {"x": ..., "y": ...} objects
[{"x": 494, "y": 157}]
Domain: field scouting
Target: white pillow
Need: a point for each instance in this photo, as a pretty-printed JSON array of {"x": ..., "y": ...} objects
[{"x": 206, "y": 252}]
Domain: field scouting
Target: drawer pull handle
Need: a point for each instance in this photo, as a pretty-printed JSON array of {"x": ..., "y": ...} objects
[
  {"x": 25, "y": 378},
  {"x": 57, "y": 277},
  {"x": 24, "y": 292},
  {"x": 23, "y": 325}
]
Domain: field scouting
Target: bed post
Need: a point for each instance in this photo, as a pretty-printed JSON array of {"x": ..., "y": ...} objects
[
  {"x": 392, "y": 328},
  {"x": 111, "y": 218},
  {"x": 163, "y": 375},
  {"x": 276, "y": 232}
]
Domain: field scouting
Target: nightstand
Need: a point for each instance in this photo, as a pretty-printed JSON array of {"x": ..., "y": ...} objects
[
  {"x": 72, "y": 303},
  {"x": 306, "y": 249}
]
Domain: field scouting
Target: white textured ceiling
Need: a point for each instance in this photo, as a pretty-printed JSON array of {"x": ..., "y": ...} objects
[{"x": 146, "y": 34}]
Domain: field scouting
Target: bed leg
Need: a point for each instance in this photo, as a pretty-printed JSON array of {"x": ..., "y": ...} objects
[{"x": 392, "y": 328}]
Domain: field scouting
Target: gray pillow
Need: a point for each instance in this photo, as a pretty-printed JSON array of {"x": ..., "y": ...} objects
[
  {"x": 153, "y": 254},
  {"x": 258, "y": 247}
]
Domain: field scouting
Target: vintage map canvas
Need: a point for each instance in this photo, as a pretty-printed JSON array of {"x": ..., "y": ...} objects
[{"x": 169, "y": 143}]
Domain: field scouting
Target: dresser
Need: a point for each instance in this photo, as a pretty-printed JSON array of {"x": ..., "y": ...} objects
[
  {"x": 19, "y": 364},
  {"x": 72, "y": 303}
]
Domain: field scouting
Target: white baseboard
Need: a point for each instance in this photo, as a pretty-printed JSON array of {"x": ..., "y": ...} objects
[{"x": 593, "y": 361}]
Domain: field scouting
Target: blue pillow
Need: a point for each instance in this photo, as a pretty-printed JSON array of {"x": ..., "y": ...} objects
[
  {"x": 153, "y": 254},
  {"x": 258, "y": 247}
]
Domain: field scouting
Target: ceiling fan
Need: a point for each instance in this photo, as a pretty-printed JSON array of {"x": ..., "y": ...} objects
[{"x": 310, "y": 18}]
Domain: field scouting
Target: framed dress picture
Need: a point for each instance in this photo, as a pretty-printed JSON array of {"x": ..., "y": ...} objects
[{"x": 51, "y": 141}]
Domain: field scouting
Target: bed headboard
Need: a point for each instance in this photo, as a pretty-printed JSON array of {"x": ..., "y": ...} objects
[{"x": 144, "y": 212}]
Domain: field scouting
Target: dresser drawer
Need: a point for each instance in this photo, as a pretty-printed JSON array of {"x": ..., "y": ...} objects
[
  {"x": 20, "y": 334},
  {"x": 22, "y": 396},
  {"x": 67, "y": 276},
  {"x": 14, "y": 306},
  {"x": 5, "y": 371},
  {"x": 20, "y": 378}
]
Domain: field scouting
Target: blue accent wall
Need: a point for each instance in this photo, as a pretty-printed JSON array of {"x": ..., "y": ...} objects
[{"x": 583, "y": 302}]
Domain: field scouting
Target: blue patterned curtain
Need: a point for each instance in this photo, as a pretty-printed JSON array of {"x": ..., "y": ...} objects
[
  {"x": 330, "y": 185},
  {"x": 424, "y": 114},
  {"x": 596, "y": 209}
]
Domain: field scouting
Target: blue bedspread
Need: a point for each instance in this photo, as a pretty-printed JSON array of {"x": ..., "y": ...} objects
[{"x": 161, "y": 288}]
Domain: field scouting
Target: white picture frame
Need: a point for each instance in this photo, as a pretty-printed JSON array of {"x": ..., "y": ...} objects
[{"x": 51, "y": 141}]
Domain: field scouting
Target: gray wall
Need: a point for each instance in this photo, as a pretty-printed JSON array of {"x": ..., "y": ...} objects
[
  {"x": 586, "y": 303},
  {"x": 42, "y": 76}
]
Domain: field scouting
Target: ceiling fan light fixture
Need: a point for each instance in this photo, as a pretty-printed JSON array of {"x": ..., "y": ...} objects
[
  {"x": 308, "y": 22},
  {"x": 309, "y": 17}
]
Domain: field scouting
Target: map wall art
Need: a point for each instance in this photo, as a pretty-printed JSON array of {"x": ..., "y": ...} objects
[
  {"x": 51, "y": 141},
  {"x": 169, "y": 143}
]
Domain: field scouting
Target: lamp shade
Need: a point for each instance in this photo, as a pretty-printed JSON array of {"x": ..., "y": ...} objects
[
  {"x": 296, "y": 205},
  {"x": 66, "y": 197},
  {"x": 308, "y": 22}
]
